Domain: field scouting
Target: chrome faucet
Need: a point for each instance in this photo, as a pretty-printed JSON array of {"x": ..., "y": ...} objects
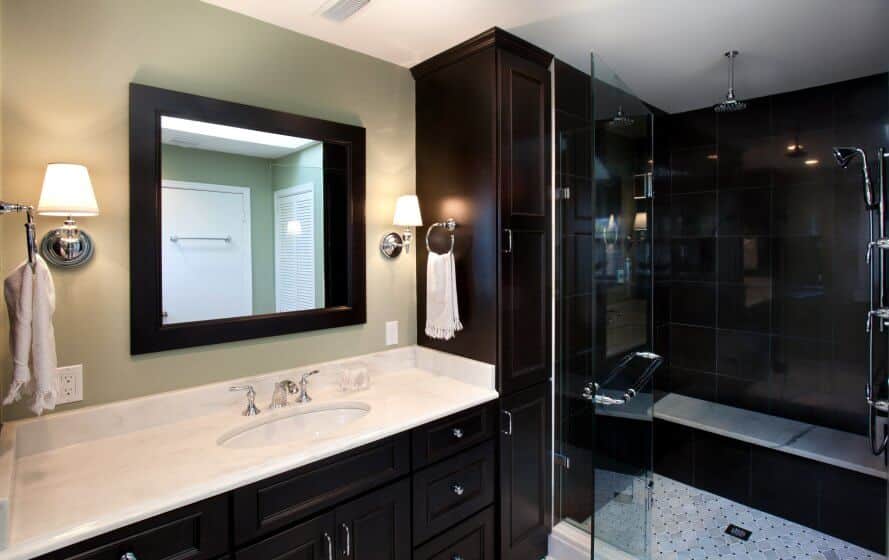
[
  {"x": 304, "y": 385},
  {"x": 282, "y": 389},
  {"x": 252, "y": 409}
]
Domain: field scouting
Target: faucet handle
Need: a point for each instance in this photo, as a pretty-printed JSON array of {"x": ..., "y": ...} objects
[
  {"x": 305, "y": 377},
  {"x": 252, "y": 409}
]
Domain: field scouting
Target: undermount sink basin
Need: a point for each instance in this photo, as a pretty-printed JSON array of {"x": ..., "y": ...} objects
[{"x": 294, "y": 425}]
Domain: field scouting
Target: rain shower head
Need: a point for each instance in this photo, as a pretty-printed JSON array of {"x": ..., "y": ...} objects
[
  {"x": 844, "y": 156},
  {"x": 731, "y": 103}
]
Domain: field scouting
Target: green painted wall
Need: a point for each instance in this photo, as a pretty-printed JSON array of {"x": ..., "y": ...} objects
[
  {"x": 66, "y": 69},
  {"x": 306, "y": 166},
  {"x": 218, "y": 168}
]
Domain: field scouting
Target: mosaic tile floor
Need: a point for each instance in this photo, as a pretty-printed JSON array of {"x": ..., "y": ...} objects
[{"x": 689, "y": 524}]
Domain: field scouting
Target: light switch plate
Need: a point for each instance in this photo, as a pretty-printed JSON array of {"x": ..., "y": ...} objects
[
  {"x": 391, "y": 333},
  {"x": 70, "y": 382}
]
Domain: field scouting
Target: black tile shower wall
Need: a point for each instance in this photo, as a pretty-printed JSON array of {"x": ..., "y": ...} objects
[
  {"x": 761, "y": 285},
  {"x": 836, "y": 501}
]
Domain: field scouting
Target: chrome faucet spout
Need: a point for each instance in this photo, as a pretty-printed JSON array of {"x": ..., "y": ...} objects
[{"x": 304, "y": 386}]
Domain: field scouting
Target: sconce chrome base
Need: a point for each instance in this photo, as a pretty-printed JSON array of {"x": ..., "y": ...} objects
[
  {"x": 391, "y": 244},
  {"x": 67, "y": 246}
]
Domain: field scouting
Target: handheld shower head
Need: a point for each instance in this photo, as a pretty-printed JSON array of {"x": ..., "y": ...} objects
[{"x": 844, "y": 156}]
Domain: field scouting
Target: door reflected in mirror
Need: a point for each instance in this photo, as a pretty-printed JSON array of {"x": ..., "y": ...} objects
[{"x": 250, "y": 221}]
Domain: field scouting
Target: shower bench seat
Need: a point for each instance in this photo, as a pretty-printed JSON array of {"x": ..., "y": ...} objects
[{"x": 834, "y": 447}]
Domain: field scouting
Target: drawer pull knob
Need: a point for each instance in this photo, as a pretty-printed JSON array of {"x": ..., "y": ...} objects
[
  {"x": 128, "y": 556},
  {"x": 458, "y": 433},
  {"x": 457, "y": 489}
]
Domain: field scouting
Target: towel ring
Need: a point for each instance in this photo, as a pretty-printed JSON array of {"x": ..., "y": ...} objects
[{"x": 450, "y": 225}]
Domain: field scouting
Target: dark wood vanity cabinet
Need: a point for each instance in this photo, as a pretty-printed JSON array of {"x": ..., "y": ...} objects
[{"x": 525, "y": 474}]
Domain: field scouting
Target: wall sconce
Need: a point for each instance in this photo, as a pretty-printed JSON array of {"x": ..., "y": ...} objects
[
  {"x": 67, "y": 191},
  {"x": 407, "y": 215}
]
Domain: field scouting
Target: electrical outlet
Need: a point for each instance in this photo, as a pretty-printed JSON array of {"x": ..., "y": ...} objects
[
  {"x": 70, "y": 382},
  {"x": 391, "y": 333}
]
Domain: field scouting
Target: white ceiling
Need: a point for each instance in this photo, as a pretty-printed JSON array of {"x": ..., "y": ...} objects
[{"x": 668, "y": 51}]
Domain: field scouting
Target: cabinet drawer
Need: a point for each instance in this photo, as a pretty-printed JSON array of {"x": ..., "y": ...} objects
[
  {"x": 443, "y": 438},
  {"x": 272, "y": 503},
  {"x": 472, "y": 539},
  {"x": 196, "y": 532},
  {"x": 452, "y": 490},
  {"x": 311, "y": 540}
]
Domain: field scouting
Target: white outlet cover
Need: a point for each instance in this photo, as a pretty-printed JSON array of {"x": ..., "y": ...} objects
[
  {"x": 70, "y": 383},
  {"x": 391, "y": 333}
]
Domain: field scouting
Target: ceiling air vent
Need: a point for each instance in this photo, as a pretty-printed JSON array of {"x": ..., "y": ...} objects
[{"x": 340, "y": 10}]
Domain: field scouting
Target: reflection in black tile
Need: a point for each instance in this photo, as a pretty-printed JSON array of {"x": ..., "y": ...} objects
[
  {"x": 693, "y": 304},
  {"x": 722, "y": 466},
  {"x": 693, "y": 169},
  {"x": 786, "y": 486},
  {"x": 674, "y": 451},
  {"x": 746, "y": 307},
  {"x": 744, "y": 212},
  {"x": 861, "y": 520},
  {"x": 804, "y": 158},
  {"x": 743, "y": 355},
  {"x": 694, "y": 214},
  {"x": 693, "y": 348},
  {"x": 694, "y": 259},
  {"x": 744, "y": 259}
]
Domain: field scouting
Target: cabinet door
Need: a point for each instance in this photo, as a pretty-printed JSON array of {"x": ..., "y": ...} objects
[
  {"x": 525, "y": 179},
  {"x": 525, "y": 459},
  {"x": 312, "y": 540},
  {"x": 377, "y": 526}
]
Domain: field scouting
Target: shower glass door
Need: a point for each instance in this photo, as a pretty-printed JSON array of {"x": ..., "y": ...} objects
[{"x": 605, "y": 281}]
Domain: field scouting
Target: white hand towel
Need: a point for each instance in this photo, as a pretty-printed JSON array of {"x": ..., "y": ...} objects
[
  {"x": 442, "y": 310},
  {"x": 31, "y": 302}
]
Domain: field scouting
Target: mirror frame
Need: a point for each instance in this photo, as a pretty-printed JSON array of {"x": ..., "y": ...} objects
[{"x": 147, "y": 332}]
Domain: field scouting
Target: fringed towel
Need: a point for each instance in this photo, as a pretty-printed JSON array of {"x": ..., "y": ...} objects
[
  {"x": 442, "y": 311},
  {"x": 31, "y": 302}
]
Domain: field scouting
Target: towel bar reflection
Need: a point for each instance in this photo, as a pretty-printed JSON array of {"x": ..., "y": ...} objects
[
  {"x": 450, "y": 225},
  {"x": 226, "y": 238}
]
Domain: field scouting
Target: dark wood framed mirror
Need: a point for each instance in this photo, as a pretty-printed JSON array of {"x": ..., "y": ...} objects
[{"x": 245, "y": 222}]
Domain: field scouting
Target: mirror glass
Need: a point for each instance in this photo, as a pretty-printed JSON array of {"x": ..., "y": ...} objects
[{"x": 252, "y": 222}]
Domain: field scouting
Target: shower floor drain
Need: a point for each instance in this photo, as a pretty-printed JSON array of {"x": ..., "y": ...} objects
[{"x": 738, "y": 532}]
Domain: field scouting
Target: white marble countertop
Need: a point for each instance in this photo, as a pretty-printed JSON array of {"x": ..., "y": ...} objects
[{"x": 66, "y": 492}]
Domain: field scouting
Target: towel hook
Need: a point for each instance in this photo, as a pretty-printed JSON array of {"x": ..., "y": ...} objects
[
  {"x": 30, "y": 234},
  {"x": 450, "y": 224}
]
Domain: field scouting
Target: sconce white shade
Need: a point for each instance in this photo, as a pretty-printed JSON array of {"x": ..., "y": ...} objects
[
  {"x": 640, "y": 222},
  {"x": 67, "y": 191},
  {"x": 407, "y": 211}
]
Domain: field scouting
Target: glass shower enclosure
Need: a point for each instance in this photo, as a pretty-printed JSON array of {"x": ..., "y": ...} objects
[{"x": 606, "y": 357}]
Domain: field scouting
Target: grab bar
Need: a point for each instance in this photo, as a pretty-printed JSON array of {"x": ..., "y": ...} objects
[{"x": 591, "y": 390}]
